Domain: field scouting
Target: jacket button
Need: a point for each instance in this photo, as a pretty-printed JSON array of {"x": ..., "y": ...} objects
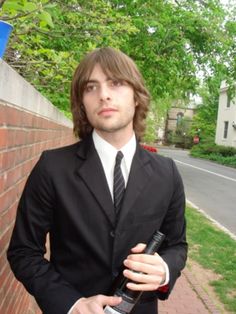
[
  {"x": 112, "y": 233},
  {"x": 115, "y": 273}
]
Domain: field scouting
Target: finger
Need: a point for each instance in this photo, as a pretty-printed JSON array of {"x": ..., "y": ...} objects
[
  {"x": 144, "y": 278},
  {"x": 105, "y": 300},
  {"x": 140, "y": 247},
  {"x": 142, "y": 287},
  {"x": 145, "y": 258},
  {"x": 147, "y": 268}
]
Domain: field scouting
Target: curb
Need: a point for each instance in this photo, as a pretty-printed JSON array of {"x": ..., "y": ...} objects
[
  {"x": 216, "y": 223},
  {"x": 196, "y": 286}
]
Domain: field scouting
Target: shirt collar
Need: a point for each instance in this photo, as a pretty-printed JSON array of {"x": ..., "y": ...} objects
[{"x": 108, "y": 152}]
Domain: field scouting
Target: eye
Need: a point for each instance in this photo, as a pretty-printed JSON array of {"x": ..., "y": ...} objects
[
  {"x": 90, "y": 87},
  {"x": 116, "y": 83}
]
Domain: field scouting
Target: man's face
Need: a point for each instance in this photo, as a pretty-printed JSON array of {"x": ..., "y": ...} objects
[{"x": 109, "y": 103}]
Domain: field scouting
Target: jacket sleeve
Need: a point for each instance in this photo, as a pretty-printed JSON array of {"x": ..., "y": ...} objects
[
  {"x": 27, "y": 245},
  {"x": 174, "y": 249}
]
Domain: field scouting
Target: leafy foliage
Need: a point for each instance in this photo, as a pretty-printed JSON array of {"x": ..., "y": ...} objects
[
  {"x": 224, "y": 155},
  {"x": 171, "y": 41}
]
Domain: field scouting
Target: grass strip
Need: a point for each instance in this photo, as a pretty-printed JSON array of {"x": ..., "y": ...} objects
[{"x": 215, "y": 250}]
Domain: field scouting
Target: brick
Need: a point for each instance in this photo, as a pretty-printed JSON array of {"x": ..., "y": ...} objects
[
  {"x": 10, "y": 138},
  {"x": 30, "y": 137},
  {"x": 7, "y": 283},
  {"x": 20, "y": 137},
  {"x": 16, "y": 138},
  {"x": 23, "y": 153},
  {"x": 4, "y": 273},
  {"x": 8, "y": 218},
  {"x": 2, "y": 115},
  {"x": 27, "y": 167},
  {"x": 37, "y": 149},
  {"x": 8, "y": 159},
  {"x": 12, "y": 116},
  {"x": 12, "y": 177},
  {"x": 7, "y": 198},
  {"x": 18, "y": 303},
  {"x": 24, "y": 304},
  {"x": 3, "y": 178},
  {"x": 4, "y": 300},
  {"x": 4, "y": 240},
  {"x": 3, "y": 138},
  {"x": 37, "y": 122},
  {"x": 46, "y": 124},
  {"x": 20, "y": 187},
  {"x": 27, "y": 119},
  {"x": 14, "y": 290},
  {"x": 1, "y": 162},
  {"x": 24, "y": 147},
  {"x": 33, "y": 307}
]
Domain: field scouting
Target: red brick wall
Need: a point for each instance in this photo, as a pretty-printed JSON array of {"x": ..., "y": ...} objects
[{"x": 23, "y": 136}]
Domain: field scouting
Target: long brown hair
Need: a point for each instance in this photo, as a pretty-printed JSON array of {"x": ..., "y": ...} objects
[{"x": 120, "y": 66}]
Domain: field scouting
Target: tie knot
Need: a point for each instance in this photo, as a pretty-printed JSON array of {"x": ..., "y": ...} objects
[{"x": 119, "y": 157}]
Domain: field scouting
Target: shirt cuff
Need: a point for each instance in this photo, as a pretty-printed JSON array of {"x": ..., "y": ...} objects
[
  {"x": 71, "y": 309},
  {"x": 167, "y": 275}
]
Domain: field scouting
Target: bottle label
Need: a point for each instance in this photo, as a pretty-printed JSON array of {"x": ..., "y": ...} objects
[
  {"x": 110, "y": 310},
  {"x": 124, "y": 307}
]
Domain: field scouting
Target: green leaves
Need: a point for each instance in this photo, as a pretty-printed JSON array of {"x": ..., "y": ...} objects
[
  {"x": 170, "y": 42},
  {"x": 22, "y": 10},
  {"x": 12, "y": 6},
  {"x": 29, "y": 6},
  {"x": 46, "y": 18}
]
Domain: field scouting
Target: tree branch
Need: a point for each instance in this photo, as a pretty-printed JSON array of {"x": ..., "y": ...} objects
[
  {"x": 2, "y": 2},
  {"x": 177, "y": 2},
  {"x": 19, "y": 15}
]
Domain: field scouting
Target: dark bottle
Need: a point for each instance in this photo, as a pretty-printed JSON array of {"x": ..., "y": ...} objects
[{"x": 130, "y": 297}]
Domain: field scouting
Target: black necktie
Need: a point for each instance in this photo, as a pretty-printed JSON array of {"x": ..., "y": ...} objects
[{"x": 119, "y": 182}]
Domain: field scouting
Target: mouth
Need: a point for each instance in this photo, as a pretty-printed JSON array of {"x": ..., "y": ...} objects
[{"x": 106, "y": 111}]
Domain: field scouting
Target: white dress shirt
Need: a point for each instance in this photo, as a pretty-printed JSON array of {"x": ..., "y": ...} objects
[{"x": 107, "y": 154}]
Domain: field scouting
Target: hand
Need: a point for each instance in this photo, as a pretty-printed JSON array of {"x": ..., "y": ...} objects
[
  {"x": 146, "y": 272},
  {"x": 94, "y": 304}
]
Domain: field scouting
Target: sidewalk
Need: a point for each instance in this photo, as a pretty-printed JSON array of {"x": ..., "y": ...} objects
[{"x": 188, "y": 297}]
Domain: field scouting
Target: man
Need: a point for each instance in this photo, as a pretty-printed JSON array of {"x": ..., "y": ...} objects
[{"x": 93, "y": 232}]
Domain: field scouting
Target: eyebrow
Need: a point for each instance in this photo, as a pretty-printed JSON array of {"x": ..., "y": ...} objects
[
  {"x": 96, "y": 81},
  {"x": 91, "y": 81}
]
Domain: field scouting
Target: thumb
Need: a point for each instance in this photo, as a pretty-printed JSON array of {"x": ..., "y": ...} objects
[{"x": 139, "y": 248}]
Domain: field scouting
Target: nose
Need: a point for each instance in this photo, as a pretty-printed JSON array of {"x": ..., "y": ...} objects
[{"x": 104, "y": 93}]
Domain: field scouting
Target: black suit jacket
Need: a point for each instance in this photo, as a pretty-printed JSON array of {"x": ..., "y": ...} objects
[{"x": 67, "y": 196}]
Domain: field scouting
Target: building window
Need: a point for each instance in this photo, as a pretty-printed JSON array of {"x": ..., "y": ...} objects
[
  {"x": 228, "y": 100},
  {"x": 179, "y": 117},
  {"x": 226, "y": 125}
]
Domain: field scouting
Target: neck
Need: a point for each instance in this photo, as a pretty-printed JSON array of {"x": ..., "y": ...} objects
[{"x": 116, "y": 139}]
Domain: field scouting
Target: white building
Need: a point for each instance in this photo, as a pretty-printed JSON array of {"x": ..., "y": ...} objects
[{"x": 226, "y": 120}]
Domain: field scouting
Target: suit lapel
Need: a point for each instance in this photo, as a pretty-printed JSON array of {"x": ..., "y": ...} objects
[
  {"x": 139, "y": 177},
  {"x": 91, "y": 172}
]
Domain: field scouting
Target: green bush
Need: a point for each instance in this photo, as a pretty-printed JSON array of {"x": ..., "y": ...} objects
[
  {"x": 227, "y": 151},
  {"x": 179, "y": 140},
  {"x": 205, "y": 148},
  {"x": 211, "y": 148},
  {"x": 229, "y": 160},
  {"x": 224, "y": 155}
]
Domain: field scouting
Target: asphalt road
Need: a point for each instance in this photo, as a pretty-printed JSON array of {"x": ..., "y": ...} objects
[{"x": 209, "y": 186}]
